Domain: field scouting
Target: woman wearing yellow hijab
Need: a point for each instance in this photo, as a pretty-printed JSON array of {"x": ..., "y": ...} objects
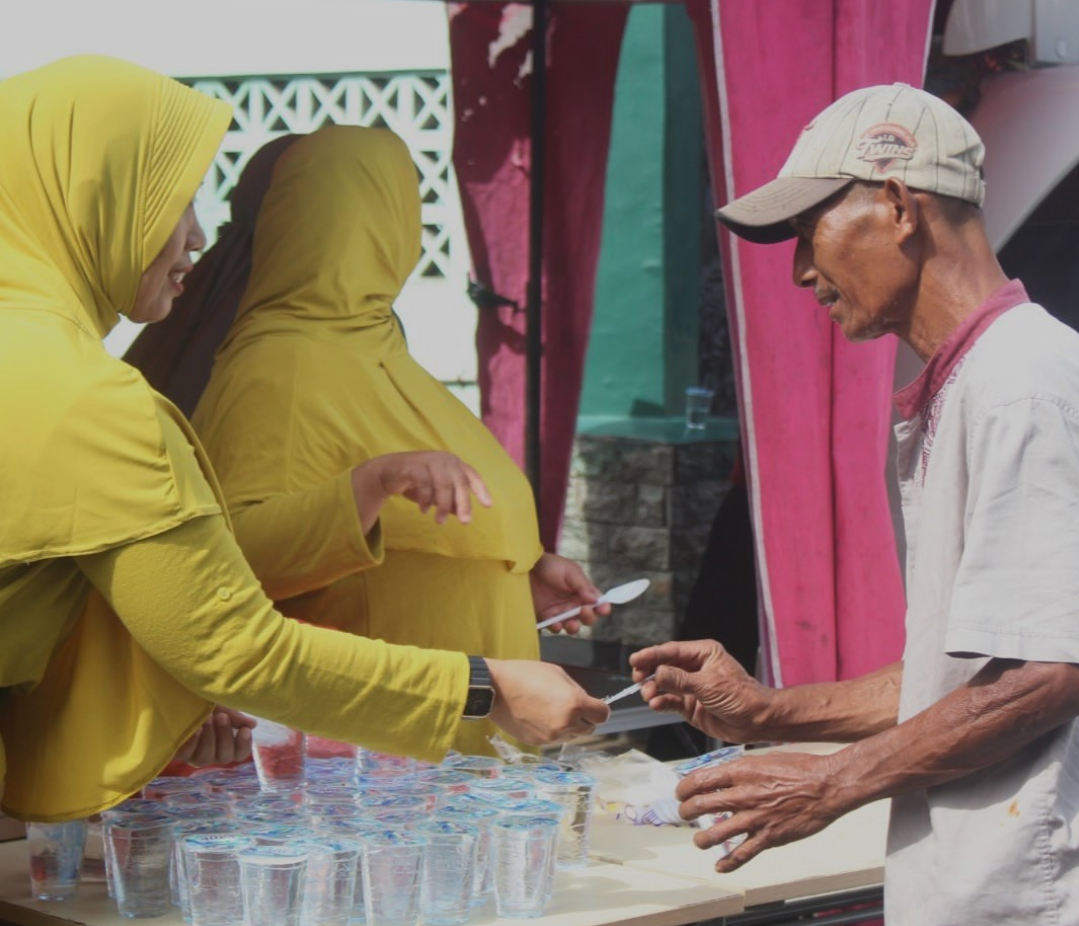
[
  {"x": 126, "y": 608},
  {"x": 314, "y": 376}
]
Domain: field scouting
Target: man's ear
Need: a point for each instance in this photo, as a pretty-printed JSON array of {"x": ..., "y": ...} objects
[{"x": 903, "y": 207}]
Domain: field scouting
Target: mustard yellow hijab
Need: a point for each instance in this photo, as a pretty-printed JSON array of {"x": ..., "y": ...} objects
[
  {"x": 314, "y": 376},
  {"x": 98, "y": 162}
]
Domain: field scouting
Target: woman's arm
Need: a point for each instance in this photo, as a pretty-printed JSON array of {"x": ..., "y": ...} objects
[{"x": 191, "y": 601}]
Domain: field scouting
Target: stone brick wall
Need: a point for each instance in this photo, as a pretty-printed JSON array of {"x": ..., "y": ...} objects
[{"x": 640, "y": 507}]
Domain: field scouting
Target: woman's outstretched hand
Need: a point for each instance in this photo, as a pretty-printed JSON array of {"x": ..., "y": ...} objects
[{"x": 432, "y": 479}]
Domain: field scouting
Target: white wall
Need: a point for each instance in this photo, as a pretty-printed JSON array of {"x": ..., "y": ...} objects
[{"x": 186, "y": 38}]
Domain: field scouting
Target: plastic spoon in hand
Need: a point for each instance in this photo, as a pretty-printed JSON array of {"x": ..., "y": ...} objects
[
  {"x": 626, "y": 692},
  {"x": 620, "y": 594}
]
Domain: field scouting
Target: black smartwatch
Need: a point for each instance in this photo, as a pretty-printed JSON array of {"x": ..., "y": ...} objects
[{"x": 481, "y": 690}]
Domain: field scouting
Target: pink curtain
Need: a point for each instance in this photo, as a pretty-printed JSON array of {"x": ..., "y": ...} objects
[
  {"x": 490, "y": 48},
  {"x": 815, "y": 409}
]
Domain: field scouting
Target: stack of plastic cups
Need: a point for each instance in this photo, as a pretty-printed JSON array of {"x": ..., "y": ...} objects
[
  {"x": 392, "y": 866},
  {"x": 211, "y": 866},
  {"x": 483, "y": 817},
  {"x": 271, "y": 884},
  {"x": 524, "y": 854},
  {"x": 55, "y": 851},
  {"x": 138, "y": 849},
  {"x": 575, "y": 791}
]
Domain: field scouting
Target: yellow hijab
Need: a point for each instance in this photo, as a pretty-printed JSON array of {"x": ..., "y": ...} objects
[
  {"x": 99, "y": 160},
  {"x": 314, "y": 376}
]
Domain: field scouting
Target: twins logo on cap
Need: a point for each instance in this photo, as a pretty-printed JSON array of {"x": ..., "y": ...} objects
[{"x": 884, "y": 143}]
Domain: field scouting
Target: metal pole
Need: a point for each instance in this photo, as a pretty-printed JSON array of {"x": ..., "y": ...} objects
[{"x": 534, "y": 294}]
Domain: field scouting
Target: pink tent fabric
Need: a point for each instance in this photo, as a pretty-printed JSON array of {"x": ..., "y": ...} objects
[
  {"x": 490, "y": 63},
  {"x": 815, "y": 408}
]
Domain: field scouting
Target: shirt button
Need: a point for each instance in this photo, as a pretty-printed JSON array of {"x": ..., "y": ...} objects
[{"x": 224, "y": 594}]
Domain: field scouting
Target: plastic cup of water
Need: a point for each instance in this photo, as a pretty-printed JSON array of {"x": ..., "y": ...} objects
[
  {"x": 449, "y": 868},
  {"x": 392, "y": 870},
  {"x": 524, "y": 852},
  {"x": 575, "y": 791},
  {"x": 333, "y": 866},
  {"x": 271, "y": 884},
  {"x": 139, "y": 852},
  {"x": 55, "y": 851},
  {"x": 483, "y": 817},
  {"x": 211, "y": 867},
  {"x": 280, "y": 755}
]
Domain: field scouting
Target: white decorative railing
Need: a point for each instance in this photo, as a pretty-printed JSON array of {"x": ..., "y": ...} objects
[{"x": 415, "y": 105}]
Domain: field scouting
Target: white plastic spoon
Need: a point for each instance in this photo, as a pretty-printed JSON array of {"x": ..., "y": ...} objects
[{"x": 620, "y": 594}]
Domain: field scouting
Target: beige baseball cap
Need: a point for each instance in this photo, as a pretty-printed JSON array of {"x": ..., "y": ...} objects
[{"x": 870, "y": 134}]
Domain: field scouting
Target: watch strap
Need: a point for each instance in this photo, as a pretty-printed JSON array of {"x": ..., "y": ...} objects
[{"x": 481, "y": 689}]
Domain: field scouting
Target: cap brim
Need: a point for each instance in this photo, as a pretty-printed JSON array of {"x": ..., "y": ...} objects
[{"x": 764, "y": 215}]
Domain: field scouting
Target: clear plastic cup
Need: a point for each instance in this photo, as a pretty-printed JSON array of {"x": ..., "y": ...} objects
[
  {"x": 449, "y": 870},
  {"x": 271, "y": 885},
  {"x": 55, "y": 851},
  {"x": 483, "y": 817},
  {"x": 139, "y": 852},
  {"x": 392, "y": 869},
  {"x": 333, "y": 867},
  {"x": 211, "y": 868},
  {"x": 280, "y": 755},
  {"x": 524, "y": 853},
  {"x": 129, "y": 808},
  {"x": 575, "y": 791},
  {"x": 353, "y": 831},
  {"x": 177, "y": 873},
  {"x": 698, "y": 405}
]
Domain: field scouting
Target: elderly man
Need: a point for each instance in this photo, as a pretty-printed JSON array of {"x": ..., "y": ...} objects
[{"x": 973, "y": 735}]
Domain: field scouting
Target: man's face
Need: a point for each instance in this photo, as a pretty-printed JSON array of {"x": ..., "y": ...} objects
[{"x": 849, "y": 253}]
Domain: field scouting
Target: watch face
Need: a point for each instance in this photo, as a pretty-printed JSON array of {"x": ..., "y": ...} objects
[{"x": 479, "y": 702}]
